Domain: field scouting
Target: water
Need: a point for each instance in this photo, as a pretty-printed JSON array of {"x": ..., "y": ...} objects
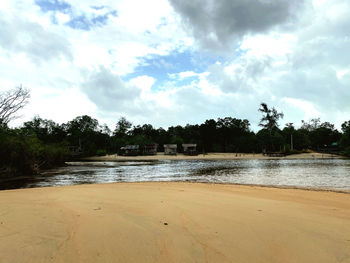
[{"x": 326, "y": 174}]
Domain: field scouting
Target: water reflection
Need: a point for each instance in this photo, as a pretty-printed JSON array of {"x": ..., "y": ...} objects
[{"x": 332, "y": 174}]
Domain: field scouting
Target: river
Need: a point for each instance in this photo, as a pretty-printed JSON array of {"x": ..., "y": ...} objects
[{"x": 319, "y": 173}]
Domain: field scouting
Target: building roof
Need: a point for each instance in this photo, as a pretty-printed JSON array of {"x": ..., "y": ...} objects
[
  {"x": 170, "y": 146},
  {"x": 131, "y": 147},
  {"x": 189, "y": 145}
]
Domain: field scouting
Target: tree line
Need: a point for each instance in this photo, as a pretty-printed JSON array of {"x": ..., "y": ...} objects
[{"x": 42, "y": 143}]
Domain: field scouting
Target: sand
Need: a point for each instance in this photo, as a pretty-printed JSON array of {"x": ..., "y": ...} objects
[
  {"x": 173, "y": 222},
  {"x": 210, "y": 156}
]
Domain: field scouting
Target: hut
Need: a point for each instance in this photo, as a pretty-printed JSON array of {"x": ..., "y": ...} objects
[
  {"x": 130, "y": 150},
  {"x": 190, "y": 149},
  {"x": 150, "y": 149},
  {"x": 170, "y": 149},
  {"x": 75, "y": 150}
]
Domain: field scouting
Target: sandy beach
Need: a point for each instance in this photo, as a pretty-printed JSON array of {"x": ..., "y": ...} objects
[
  {"x": 211, "y": 156},
  {"x": 173, "y": 222}
]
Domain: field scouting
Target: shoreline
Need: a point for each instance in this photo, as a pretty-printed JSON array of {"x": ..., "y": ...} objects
[
  {"x": 213, "y": 157},
  {"x": 268, "y": 186},
  {"x": 171, "y": 221}
]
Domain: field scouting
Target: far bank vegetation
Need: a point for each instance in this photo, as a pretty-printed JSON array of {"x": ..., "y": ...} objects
[{"x": 40, "y": 143}]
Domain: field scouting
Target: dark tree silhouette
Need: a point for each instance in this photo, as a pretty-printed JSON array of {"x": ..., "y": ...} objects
[
  {"x": 270, "y": 117},
  {"x": 269, "y": 122},
  {"x": 11, "y": 102},
  {"x": 122, "y": 127}
]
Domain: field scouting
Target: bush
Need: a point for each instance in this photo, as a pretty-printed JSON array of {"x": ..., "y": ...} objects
[
  {"x": 52, "y": 155},
  {"x": 101, "y": 152},
  {"x": 346, "y": 151},
  {"x": 287, "y": 148},
  {"x": 25, "y": 154}
]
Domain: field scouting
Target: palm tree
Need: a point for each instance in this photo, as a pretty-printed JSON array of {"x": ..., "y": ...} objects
[{"x": 269, "y": 121}]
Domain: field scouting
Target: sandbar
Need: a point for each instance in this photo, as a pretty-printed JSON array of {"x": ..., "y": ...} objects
[
  {"x": 212, "y": 156},
  {"x": 173, "y": 222}
]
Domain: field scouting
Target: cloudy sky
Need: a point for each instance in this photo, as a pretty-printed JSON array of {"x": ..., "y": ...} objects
[{"x": 178, "y": 61}]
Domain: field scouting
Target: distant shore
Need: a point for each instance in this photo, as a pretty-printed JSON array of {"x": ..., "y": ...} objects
[
  {"x": 173, "y": 222},
  {"x": 211, "y": 156}
]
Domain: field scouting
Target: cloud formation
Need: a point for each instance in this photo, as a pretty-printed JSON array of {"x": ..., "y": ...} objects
[
  {"x": 32, "y": 39},
  {"x": 108, "y": 91},
  {"x": 216, "y": 23},
  {"x": 182, "y": 62}
]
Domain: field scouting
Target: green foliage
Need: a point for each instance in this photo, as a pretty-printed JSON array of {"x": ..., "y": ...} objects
[
  {"x": 270, "y": 141},
  {"x": 26, "y": 154},
  {"x": 270, "y": 117},
  {"x": 270, "y": 137},
  {"x": 101, "y": 152},
  {"x": 319, "y": 136},
  {"x": 287, "y": 148},
  {"x": 41, "y": 143},
  {"x": 122, "y": 128},
  {"x": 346, "y": 151},
  {"x": 139, "y": 140},
  {"x": 345, "y": 138},
  {"x": 177, "y": 140}
]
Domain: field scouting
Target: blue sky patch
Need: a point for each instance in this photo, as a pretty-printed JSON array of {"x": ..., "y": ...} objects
[
  {"x": 160, "y": 67},
  {"x": 54, "y": 5},
  {"x": 85, "y": 23},
  {"x": 102, "y": 19},
  {"x": 82, "y": 21},
  {"x": 97, "y": 7}
]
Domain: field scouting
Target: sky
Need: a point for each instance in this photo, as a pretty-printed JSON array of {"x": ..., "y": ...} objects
[{"x": 177, "y": 62}]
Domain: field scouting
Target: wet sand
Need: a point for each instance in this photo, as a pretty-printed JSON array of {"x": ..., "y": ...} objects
[
  {"x": 211, "y": 156},
  {"x": 173, "y": 222}
]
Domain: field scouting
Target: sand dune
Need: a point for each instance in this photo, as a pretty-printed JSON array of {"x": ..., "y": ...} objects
[{"x": 173, "y": 222}]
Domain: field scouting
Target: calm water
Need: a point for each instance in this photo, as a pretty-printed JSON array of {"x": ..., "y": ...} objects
[{"x": 330, "y": 174}]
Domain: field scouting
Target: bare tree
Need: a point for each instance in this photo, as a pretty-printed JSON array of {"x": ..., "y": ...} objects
[{"x": 11, "y": 102}]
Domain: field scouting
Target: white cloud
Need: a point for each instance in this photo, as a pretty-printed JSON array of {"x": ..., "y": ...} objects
[
  {"x": 144, "y": 83},
  {"x": 107, "y": 91},
  {"x": 62, "y": 18},
  {"x": 184, "y": 74},
  {"x": 31, "y": 39},
  {"x": 308, "y": 110}
]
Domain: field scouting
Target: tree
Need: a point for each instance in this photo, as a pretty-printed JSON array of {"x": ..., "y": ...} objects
[
  {"x": 11, "y": 102},
  {"x": 230, "y": 132},
  {"x": 208, "y": 134},
  {"x": 46, "y": 130},
  {"x": 84, "y": 131},
  {"x": 345, "y": 140},
  {"x": 311, "y": 125},
  {"x": 122, "y": 127},
  {"x": 321, "y": 135},
  {"x": 345, "y": 127},
  {"x": 270, "y": 117},
  {"x": 82, "y": 124},
  {"x": 269, "y": 122}
]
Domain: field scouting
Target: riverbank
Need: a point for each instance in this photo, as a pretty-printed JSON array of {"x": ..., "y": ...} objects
[
  {"x": 211, "y": 156},
  {"x": 173, "y": 222}
]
